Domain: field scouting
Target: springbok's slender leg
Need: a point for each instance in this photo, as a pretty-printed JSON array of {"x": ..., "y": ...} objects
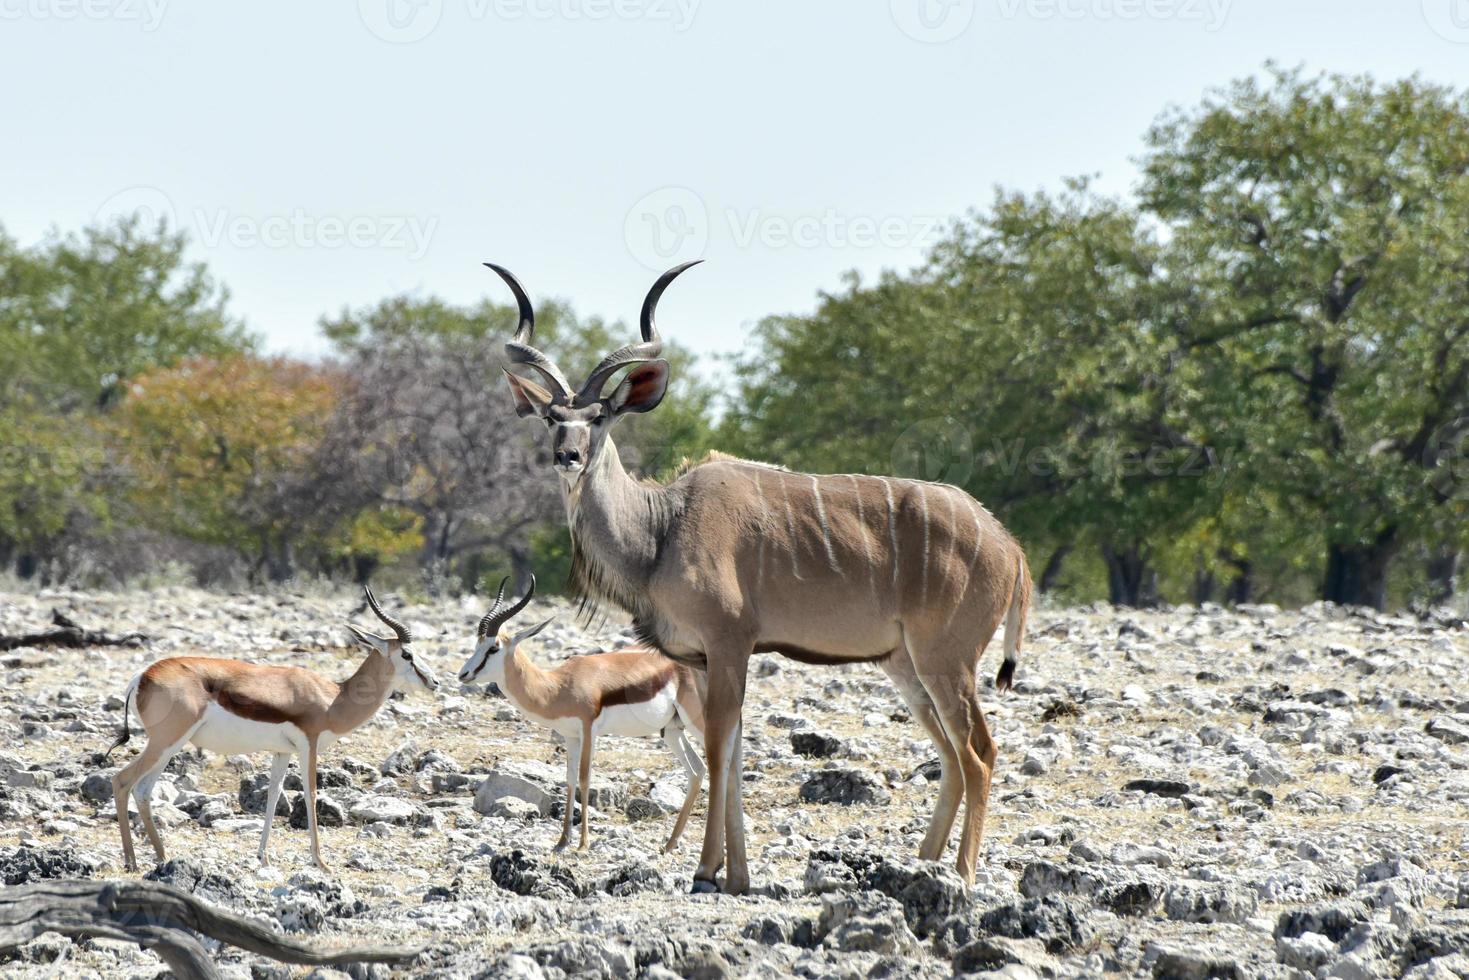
[
  {"x": 311, "y": 804},
  {"x": 123, "y": 784},
  {"x": 573, "y": 764},
  {"x": 588, "y": 742},
  {"x": 721, "y": 731},
  {"x": 693, "y": 767},
  {"x": 899, "y": 668},
  {"x": 278, "y": 763},
  {"x": 143, "y": 792}
]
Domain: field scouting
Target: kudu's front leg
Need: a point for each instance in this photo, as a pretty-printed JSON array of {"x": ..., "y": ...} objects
[{"x": 724, "y": 829}]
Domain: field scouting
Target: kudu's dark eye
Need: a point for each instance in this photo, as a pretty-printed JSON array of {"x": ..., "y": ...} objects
[{"x": 408, "y": 656}]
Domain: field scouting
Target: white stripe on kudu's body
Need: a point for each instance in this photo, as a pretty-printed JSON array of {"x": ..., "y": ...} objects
[
  {"x": 237, "y": 708},
  {"x": 631, "y": 692},
  {"x": 704, "y": 590}
]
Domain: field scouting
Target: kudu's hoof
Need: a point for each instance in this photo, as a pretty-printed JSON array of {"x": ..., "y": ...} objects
[{"x": 703, "y": 886}]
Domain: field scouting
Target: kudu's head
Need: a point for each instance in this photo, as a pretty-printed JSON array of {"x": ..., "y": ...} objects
[
  {"x": 580, "y": 420},
  {"x": 407, "y": 673},
  {"x": 494, "y": 643}
]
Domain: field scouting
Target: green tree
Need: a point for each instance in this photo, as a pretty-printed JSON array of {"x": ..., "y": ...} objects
[
  {"x": 1324, "y": 222},
  {"x": 79, "y": 313}
]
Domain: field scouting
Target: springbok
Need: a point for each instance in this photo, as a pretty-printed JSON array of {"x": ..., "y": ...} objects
[
  {"x": 627, "y": 692},
  {"x": 735, "y": 558},
  {"x": 233, "y": 707}
]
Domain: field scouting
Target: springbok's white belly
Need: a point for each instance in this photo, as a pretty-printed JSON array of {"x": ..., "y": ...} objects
[
  {"x": 228, "y": 734},
  {"x": 643, "y": 718}
]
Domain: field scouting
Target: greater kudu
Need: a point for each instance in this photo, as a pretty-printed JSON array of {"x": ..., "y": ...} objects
[{"x": 735, "y": 558}]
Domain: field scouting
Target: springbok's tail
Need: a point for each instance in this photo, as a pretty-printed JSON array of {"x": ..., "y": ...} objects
[
  {"x": 1014, "y": 626},
  {"x": 130, "y": 696}
]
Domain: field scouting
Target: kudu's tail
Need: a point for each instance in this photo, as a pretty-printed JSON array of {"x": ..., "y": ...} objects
[
  {"x": 128, "y": 698},
  {"x": 1014, "y": 626}
]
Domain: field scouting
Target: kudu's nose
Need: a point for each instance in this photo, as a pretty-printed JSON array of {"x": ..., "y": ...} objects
[{"x": 568, "y": 457}]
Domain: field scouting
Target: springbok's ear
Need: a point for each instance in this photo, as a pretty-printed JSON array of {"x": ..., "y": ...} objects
[
  {"x": 370, "y": 640},
  {"x": 527, "y": 634},
  {"x": 642, "y": 389},
  {"x": 530, "y": 398}
]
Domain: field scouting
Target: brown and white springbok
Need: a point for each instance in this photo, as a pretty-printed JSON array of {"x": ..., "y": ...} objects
[
  {"x": 735, "y": 558},
  {"x": 233, "y": 707},
  {"x": 626, "y": 692}
]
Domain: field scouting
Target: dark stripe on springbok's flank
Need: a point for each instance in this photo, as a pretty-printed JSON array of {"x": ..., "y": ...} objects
[
  {"x": 644, "y": 690},
  {"x": 249, "y": 708}
]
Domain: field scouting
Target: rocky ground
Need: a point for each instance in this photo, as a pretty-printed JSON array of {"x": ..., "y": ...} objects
[{"x": 1185, "y": 793}]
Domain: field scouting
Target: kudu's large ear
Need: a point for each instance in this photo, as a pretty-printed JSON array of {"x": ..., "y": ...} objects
[
  {"x": 642, "y": 389},
  {"x": 530, "y": 398}
]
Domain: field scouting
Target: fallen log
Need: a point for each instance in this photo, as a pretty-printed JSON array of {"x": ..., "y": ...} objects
[
  {"x": 67, "y": 633},
  {"x": 164, "y": 919}
]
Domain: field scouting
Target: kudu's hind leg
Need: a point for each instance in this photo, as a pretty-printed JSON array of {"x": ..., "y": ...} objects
[
  {"x": 946, "y": 664},
  {"x": 899, "y": 668}
]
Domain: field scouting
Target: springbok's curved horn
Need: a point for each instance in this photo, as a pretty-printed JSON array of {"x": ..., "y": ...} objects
[
  {"x": 404, "y": 636},
  {"x": 484, "y": 624},
  {"x": 650, "y": 347},
  {"x": 519, "y": 349},
  {"x": 498, "y": 617}
]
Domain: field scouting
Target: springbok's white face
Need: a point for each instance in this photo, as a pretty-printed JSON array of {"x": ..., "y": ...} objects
[
  {"x": 487, "y": 664},
  {"x": 408, "y": 673}
]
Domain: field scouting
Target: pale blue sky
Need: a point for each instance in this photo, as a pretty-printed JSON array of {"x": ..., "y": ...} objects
[{"x": 330, "y": 154}]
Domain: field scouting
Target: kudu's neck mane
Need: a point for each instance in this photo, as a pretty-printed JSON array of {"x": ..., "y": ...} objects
[{"x": 618, "y": 525}]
